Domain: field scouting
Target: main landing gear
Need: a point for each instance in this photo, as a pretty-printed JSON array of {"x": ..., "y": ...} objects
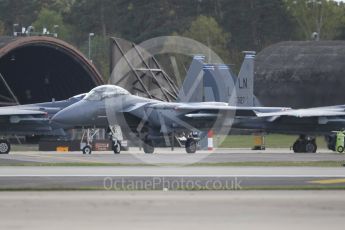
[
  {"x": 305, "y": 144},
  {"x": 148, "y": 146},
  {"x": 190, "y": 145}
]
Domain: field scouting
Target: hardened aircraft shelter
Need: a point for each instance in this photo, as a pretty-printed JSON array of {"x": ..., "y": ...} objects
[{"x": 40, "y": 68}]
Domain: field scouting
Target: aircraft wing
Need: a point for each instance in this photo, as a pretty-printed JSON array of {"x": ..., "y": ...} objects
[
  {"x": 199, "y": 106},
  {"x": 313, "y": 112},
  {"x": 213, "y": 106},
  {"x": 210, "y": 109}
]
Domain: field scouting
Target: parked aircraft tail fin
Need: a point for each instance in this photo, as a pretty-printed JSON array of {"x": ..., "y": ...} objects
[
  {"x": 191, "y": 90},
  {"x": 245, "y": 81},
  {"x": 218, "y": 82}
]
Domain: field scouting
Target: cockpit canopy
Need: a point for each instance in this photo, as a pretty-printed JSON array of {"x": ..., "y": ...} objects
[
  {"x": 105, "y": 91},
  {"x": 78, "y": 97}
]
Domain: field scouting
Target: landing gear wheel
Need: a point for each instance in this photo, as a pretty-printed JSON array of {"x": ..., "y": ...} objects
[
  {"x": 117, "y": 148},
  {"x": 5, "y": 147},
  {"x": 340, "y": 149},
  {"x": 148, "y": 147},
  {"x": 299, "y": 146},
  {"x": 305, "y": 144},
  {"x": 87, "y": 150},
  {"x": 190, "y": 145},
  {"x": 296, "y": 147},
  {"x": 310, "y": 147}
]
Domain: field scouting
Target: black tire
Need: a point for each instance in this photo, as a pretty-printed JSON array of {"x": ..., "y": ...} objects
[
  {"x": 87, "y": 150},
  {"x": 310, "y": 147},
  {"x": 295, "y": 147},
  {"x": 117, "y": 148},
  {"x": 5, "y": 147},
  {"x": 190, "y": 145},
  {"x": 148, "y": 147},
  {"x": 340, "y": 149},
  {"x": 299, "y": 146}
]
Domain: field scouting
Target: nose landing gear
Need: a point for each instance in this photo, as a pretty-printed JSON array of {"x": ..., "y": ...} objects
[
  {"x": 87, "y": 149},
  {"x": 86, "y": 140}
]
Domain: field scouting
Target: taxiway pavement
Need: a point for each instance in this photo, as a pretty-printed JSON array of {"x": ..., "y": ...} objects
[
  {"x": 166, "y": 156},
  {"x": 172, "y": 177},
  {"x": 173, "y": 210},
  {"x": 170, "y": 170}
]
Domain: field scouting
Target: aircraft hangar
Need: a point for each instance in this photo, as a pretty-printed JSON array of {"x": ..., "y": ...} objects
[
  {"x": 301, "y": 74},
  {"x": 40, "y": 68}
]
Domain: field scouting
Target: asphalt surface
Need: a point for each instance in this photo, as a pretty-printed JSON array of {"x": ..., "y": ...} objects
[
  {"x": 171, "y": 170},
  {"x": 173, "y": 210},
  {"x": 119, "y": 203},
  {"x": 166, "y": 156},
  {"x": 171, "y": 178}
]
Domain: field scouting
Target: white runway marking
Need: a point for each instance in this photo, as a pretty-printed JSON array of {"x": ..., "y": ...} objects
[
  {"x": 177, "y": 176},
  {"x": 147, "y": 171}
]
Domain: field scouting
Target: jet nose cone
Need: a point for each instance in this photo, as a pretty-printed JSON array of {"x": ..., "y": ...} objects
[
  {"x": 61, "y": 119},
  {"x": 72, "y": 116}
]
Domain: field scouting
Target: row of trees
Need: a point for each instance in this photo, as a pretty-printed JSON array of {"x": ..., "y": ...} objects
[{"x": 227, "y": 26}]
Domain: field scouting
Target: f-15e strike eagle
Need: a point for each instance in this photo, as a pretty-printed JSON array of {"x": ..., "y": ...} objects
[{"x": 151, "y": 119}]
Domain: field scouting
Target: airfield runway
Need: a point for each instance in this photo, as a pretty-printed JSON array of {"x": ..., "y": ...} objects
[
  {"x": 173, "y": 210},
  {"x": 118, "y": 201},
  {"x": 167, "y": 170},
  {"x": 171, "y": 178}
]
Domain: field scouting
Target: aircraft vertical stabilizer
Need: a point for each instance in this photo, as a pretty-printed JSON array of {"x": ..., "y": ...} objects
[
  {"x": 226, "y": 83},
  {"x": 218, "y": 83},
  {"x": 245, "y": 81},
  {"x": 192, "y": 87}
]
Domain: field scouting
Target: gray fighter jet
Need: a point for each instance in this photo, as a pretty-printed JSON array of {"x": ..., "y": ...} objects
[
  {"x": 149, "y": 119},
  {"x": 31, "y": 120}
]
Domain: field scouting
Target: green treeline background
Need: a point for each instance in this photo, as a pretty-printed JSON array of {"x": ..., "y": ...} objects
[{"x": 227, "y": 26}]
